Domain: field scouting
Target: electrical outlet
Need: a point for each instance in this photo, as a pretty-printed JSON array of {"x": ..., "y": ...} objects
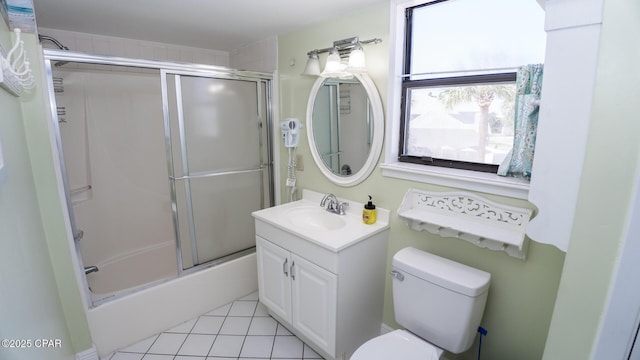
[{"x": 299, "y": 162}]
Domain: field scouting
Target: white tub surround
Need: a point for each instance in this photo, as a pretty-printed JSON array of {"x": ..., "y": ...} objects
[
  {"x": 122, "y": 274},
  {"x": 469, "y": 217},
  {"x": 113, "y": 325}
]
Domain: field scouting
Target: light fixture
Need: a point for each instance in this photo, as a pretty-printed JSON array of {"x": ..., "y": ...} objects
[
  {"x": 346, "y": 57},
  {"x": 357, "y": 63},
  {"x": 334, "y": 66},
  {"x": 313, "y": 65}
]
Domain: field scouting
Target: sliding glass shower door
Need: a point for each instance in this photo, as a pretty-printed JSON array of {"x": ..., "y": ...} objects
[{"x": 217, "y": 141}]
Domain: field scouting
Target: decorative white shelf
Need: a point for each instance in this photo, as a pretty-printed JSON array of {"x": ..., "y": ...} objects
[{"x": 468, "y": 217}]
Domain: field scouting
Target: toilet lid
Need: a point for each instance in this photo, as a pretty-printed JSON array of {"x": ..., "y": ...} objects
[{"x": 398, "y": 344}]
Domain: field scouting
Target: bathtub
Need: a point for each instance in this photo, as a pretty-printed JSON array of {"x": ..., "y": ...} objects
[
  {"x": 126, "y": 273},
  {"x": 117, "y": 323}
]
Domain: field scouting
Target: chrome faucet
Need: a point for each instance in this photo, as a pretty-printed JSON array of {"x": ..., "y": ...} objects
[{"x": 334, "y": 205}]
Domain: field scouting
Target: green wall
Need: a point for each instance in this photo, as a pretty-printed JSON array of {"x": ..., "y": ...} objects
[
  {"x": 30, "y": 307},
  {"x": 522, "y": 293},
  {"x": 611, "y": 159},
  {"x": 52, "y": 208}
]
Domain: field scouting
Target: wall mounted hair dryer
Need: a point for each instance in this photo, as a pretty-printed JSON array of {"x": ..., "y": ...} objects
[{"x": 290, "y": 128}]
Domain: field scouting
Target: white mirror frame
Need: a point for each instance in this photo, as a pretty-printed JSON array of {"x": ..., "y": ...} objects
[{"x": 376, "y": 143}]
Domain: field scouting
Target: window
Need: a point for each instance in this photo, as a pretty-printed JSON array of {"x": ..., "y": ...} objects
[{"x": 458, "y": 88}]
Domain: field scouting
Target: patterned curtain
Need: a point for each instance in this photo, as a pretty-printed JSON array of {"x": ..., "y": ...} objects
[{"x": 519, "y": 160}]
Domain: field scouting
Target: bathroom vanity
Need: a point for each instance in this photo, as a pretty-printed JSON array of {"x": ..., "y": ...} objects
[{"x": 321, "y": 274}]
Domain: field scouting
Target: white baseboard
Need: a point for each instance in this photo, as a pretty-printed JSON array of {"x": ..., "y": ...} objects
[
  {"x": 89, "y": 354},
  {"x": 384, "y": 328}
]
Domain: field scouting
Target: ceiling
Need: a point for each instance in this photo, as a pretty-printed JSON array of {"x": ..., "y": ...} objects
[{"x": 212, "y": 24}]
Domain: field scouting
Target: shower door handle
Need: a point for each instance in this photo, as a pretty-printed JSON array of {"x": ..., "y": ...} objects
[{"x": 284, "y": 267}]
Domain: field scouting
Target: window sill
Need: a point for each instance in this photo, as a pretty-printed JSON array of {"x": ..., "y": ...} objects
[{"x": 460, "y": 179}]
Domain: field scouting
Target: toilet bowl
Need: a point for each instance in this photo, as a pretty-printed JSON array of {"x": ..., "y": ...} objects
[
  {"x": 398, "y": 344},
  {"x": 438, "y": 301}
]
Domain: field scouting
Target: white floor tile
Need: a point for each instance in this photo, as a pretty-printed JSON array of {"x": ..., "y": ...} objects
[
  {"x": 221, "y": 311},
  {"x": 242, "y": 329},
  {"x": 283, "y": 330},
  {"x": 227, "y": 345},
  {"x": 197, "y": 345},
  {"x": 263, "y": 326},
  {"x": 309, "y": 353},
  {"x": 257, "y": 347},
  {"x": 157, "y": 357},
  {"x": 183, "y": 328},
  {"x": 142, "y": 346},
  {"x": 235, "y": 325},
  {"x": 287, "y": 347},
  {"x": 243, "y": 308},
  {"x": 208, "y": 325},
  {"x": 261, "y": 310},
  {"x": 126, "y": 356},
  {"x": 167, "y": 343},
  {"x": 252, "y": 296}
]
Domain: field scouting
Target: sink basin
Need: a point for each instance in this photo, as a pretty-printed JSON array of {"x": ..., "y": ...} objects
[
  {"x": 305, "y": 219},
  {"x": 315, "y": 218}
]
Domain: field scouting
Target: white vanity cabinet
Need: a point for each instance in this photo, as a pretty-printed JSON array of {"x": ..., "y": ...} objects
[
  {"x": 299, "y": 292},
  {"x": 325, "y": 286}
]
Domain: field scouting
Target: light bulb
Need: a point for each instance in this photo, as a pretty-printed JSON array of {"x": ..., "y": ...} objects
[
  {"x": 334, "y": 67},
  {"x": 357, "y": 64},
  {"x": 313, "y": 65}
]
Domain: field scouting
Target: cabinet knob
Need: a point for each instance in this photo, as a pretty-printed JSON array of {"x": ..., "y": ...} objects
[
  {"x": 284, "y": 267},
  {"x": 293, "y": 277}
]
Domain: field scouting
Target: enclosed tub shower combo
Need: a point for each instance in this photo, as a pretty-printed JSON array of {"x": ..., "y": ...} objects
[{"x": 161, "y": 165}]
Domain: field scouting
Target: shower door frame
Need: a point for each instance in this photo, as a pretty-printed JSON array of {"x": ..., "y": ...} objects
[
  {"x": 265, "y": 166},
  {"x": 163, "y": 67}
]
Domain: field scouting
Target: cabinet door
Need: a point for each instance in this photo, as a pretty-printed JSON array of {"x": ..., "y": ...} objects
[
  {"x": 274, "y": 282},
  {"x": 314, "y": 302}
]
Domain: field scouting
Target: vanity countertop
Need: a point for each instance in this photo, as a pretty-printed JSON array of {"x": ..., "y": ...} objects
[{"x": 306, "y": 219}]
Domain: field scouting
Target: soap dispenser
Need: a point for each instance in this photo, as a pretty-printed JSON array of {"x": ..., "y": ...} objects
[{"x": 369, "y": 213}]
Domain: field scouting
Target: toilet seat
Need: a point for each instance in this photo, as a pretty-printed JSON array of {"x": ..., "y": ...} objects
[{"x": 398, "y": 344}]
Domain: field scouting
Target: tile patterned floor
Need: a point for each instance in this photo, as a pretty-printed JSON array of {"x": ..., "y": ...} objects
[{"x": 239, "y": 330}]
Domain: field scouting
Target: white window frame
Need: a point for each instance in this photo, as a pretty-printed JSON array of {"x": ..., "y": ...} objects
[{"x": 455, "y": 178}]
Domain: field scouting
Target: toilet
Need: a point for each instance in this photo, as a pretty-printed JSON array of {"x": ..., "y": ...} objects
[{"x": 440, "y": 304}]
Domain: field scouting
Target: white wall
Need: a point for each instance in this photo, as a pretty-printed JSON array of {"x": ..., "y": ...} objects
[
  {"x": 131, "y": 48},
  {"x": 260, "y": 56}
]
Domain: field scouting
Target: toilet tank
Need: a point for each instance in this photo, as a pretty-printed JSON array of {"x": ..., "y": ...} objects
[{"x": 440, "y": 300}]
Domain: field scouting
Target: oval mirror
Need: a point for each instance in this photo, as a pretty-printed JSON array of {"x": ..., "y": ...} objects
[{"x": 345, "y": 128}]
